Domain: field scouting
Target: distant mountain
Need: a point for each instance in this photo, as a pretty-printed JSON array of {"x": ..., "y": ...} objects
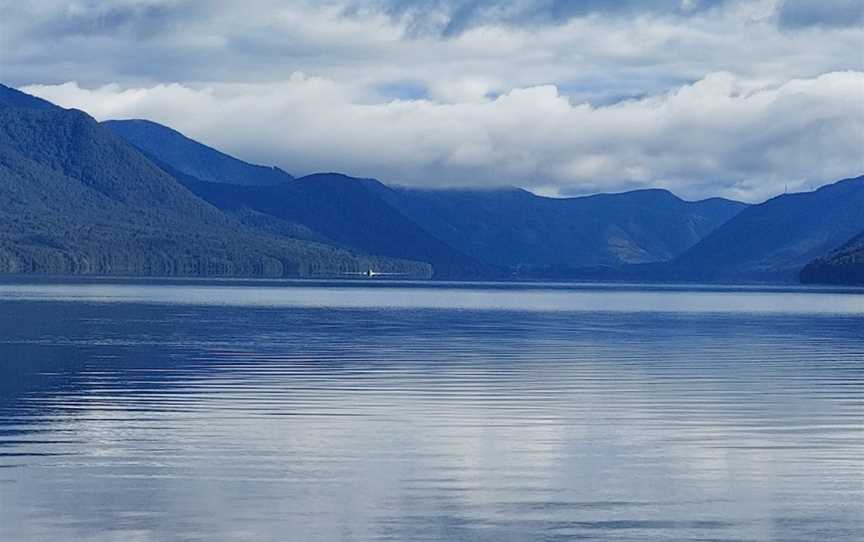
[
  {"x": 462, "y": 233},
  {"x": 340, "y": 210},
  {"x": 534, "y": 235},
  {"x": 842, "y": 266},
  {"x": 639, "y": 235},
  {"x": 774, "y": 240},
  {"x": 78, "y": 199},
  {"x": 327, "y": 208},
  {"x": 193, "y": 158}
]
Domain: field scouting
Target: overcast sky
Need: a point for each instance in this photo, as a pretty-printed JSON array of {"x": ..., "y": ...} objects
[{"x": 737, "y": 98}]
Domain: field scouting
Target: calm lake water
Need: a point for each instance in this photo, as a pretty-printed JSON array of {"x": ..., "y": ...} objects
[{"x": 377, "y": 411}]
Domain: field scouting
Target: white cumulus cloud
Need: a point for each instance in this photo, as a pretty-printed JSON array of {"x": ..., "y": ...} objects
[{"x": 722, "y": 135}]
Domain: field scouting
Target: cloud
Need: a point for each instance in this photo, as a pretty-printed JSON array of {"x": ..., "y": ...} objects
[
  {"x": 717, "y": 136},
  {"x": 593, "y": 50},
  {"x": 560, "y": 96},
  {"x": 452, "y": 17}
]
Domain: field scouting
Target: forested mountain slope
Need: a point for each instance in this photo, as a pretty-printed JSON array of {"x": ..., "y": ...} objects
[
  {"x": 462, "y": 233},
  {"x": 842, "y": 266},
  {"x": 78, "y": 199},
  {"x": 775, "y": 239},
  {"x": 341, "y": 210}
]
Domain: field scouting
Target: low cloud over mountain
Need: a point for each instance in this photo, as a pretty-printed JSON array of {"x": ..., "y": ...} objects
[
  {"x": 717, "y": 136},
  {"x": 736, "y": 98}
]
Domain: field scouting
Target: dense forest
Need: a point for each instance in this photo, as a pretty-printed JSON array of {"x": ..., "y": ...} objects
[
  {"x": 843, "y": 266},
  {"x": 79, "y": 199}
]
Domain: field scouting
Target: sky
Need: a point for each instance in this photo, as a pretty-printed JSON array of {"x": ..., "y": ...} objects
[{"x": 736, "y": 98}]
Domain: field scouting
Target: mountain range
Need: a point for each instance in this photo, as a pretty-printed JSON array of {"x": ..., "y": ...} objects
[
  {"x": 526, "y": 233},
  {"x": 504, "y": 231},
  {"x": 79, "y": 199},
  {"x": 136, "y": 197}
]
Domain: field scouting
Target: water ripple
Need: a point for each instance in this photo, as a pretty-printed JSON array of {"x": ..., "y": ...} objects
[{"x": 273, "y": 412}]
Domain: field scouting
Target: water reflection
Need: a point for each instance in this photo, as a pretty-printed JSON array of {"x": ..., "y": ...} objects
[{"x": 177, "y": 419}]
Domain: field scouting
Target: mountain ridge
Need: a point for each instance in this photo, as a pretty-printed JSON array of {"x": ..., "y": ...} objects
[
  {"x": 80, "y": 200},
  {"x": 76, "y": 188},
  {"x": 518, "y": 229},
  {"x": 370, "y": 216},
  {"x": 775, "y": 239},
  {"x": 340, "y": 211},
  {"x": 192, "y": 157}
]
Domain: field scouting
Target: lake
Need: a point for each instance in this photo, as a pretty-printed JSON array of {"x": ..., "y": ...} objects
[{"x": 367, "y": 410}]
